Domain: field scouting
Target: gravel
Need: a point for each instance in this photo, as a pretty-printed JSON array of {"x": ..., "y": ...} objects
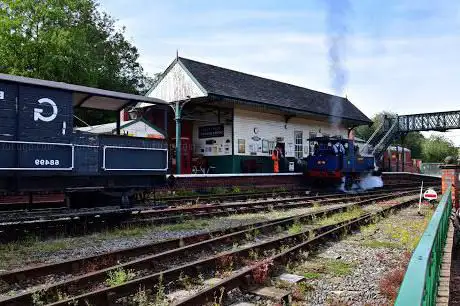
[
  {"x": 361, "y": 285},
  {"x": 18, "y": 255}
]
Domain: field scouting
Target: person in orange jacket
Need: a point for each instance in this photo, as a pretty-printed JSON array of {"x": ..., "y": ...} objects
[{"x": 276, "y": 156}]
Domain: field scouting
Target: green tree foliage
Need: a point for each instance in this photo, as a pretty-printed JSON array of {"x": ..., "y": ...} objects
[
  {"x": 436, "y": 148},
  {"x": 365, "y": 131},
  {"x": 68, "y": 41},
  {"x": 413, "y": 141}
]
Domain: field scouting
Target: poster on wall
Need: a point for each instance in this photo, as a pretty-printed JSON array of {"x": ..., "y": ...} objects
[
  {"x": 265, "y": 146},
  {"x": 241, "y": 146},
  {"x": 253, "y": 148}
]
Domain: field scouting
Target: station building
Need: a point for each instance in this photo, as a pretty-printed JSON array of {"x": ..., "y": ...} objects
[{"x": 230, "y": 122}]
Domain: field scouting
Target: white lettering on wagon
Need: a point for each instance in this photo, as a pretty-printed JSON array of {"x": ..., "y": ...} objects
[
  {"x": 2, "y": 95},
  {"x": 38, "y": 111},
  {"x": 47, "y": 162}
]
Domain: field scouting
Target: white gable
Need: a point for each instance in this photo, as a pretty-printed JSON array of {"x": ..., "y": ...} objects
[
  {"x": 176, "y": 85},
  {"x": 140, "y": 129}
]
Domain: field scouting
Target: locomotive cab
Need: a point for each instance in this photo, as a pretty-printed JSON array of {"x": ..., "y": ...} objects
[{"x": 335, "y": 160}]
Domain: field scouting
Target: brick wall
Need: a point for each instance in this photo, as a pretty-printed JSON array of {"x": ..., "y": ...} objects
[
  {"x": 450, "y": 177},
  {"x": 243, "y": 182},
  {"x": 273, "y": 181}
]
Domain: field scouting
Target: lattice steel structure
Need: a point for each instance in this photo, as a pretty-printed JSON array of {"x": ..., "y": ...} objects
[{"x": 441, "y": 121}]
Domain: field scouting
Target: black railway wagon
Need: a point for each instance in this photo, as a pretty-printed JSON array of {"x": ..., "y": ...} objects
[{"x": 40, "y": 151}]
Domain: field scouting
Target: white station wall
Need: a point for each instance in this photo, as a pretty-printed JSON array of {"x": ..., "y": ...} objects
[
  {"x": 270, "y": 127},
  {"x": 213, "y": 146}
]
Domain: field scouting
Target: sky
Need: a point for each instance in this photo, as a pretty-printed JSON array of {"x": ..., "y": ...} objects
[{"x": 393, "y": 55}]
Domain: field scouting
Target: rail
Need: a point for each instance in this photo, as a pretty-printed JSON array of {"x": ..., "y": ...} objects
[{"x": 420, "y": 283}]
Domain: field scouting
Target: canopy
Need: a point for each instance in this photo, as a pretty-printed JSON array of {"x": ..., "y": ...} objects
[{"x": 87, "y": 97}]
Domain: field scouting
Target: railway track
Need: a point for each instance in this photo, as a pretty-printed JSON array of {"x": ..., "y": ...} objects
[
  {"x": 55, "y": 202},
  {"x": 83, "y": 280},
  {"x": 22, "y": 216},
  {"x": 86, "y": 222}
]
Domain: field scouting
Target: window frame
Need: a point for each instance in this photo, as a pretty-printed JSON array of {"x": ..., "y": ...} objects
[{"x": 298, "y": 144}]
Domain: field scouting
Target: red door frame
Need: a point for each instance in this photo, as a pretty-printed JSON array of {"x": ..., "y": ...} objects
[{"x": 186, "y": 155}]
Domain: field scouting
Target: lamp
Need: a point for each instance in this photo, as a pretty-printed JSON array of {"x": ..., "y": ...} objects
[{"x": 132, "y": 112}]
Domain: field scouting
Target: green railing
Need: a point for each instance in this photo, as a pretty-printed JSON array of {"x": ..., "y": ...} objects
[{"x": 420, "y": 284}]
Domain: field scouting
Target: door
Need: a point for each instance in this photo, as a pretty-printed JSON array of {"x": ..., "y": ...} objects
[{"x": 186, "y": 156}]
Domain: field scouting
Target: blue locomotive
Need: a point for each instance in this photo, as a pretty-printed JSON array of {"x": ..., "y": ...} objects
[
  {"x": 335, "y": 160},
  {"x": 41, "y": 151}
]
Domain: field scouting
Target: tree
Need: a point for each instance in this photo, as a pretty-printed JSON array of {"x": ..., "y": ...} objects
[
  {"x": 413, "y": 141},
  {"x": 68, "y": 41},
  {"x": 436, "y": 148},
  {"x": 366, "y": 131}
]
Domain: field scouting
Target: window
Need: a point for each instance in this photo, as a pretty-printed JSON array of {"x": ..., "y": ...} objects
[
  {"x": 298, "y": 146},
  {"x": 271, "y": 147}
]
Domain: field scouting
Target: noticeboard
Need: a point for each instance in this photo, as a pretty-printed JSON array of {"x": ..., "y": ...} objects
[{"x": 211, "y": 131}]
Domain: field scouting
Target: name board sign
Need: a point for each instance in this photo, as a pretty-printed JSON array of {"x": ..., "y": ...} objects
[{"x": 211, "y": 131}]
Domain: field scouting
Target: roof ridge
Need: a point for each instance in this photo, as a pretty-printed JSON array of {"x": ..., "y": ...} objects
[{"x": 260, "y": 77}]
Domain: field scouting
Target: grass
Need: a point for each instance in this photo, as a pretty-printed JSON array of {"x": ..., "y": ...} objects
[
  {"x": 351, "y": 213},
  {"x": 119, "y": 277},
  {"x": 295, "y": 228},
  {"x": 137, "y": 231},
  {"x": 316, "y": 267},
  {"x": 186, "y": 225},
  {"x": 369, "y": 230},
  {"x": 338, "y": 267},
  {"x": 312, "y": 275},
  {"x": 400, "y": 234},
  {"x": 15, "y": 252}
]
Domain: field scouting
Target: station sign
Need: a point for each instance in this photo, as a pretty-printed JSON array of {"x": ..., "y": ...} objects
[
  {"x": 430, "y": 194},
  {"x": 211, "y": 131}
]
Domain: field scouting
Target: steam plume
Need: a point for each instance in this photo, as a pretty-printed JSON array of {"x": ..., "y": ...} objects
[{"x": 336, "y": 41}]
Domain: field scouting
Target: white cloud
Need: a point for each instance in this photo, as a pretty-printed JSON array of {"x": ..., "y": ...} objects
[{"x": 401, "y": 73}]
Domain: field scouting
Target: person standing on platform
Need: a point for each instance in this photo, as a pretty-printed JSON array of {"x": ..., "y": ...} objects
[{"x": 276, "y": 156}]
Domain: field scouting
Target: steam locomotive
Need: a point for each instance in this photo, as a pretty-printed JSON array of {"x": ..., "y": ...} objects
[{"x": 337, "y": 161}]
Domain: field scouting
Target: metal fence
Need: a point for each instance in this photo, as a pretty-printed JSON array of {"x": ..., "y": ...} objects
[{"x": 420, "y": 284}]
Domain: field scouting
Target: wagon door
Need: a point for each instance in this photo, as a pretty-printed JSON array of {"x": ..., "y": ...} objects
[
  {"x": 45, "y": 127},
  {"x": 8, "y": 94}
]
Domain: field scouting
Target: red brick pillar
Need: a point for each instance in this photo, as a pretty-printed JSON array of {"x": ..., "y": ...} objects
[{"x": 451, "y": 177}]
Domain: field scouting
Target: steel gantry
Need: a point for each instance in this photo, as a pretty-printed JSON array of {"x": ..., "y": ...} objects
[
  {"x": 400, "y": 125},
  {"x": 441, "y": 121}
]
